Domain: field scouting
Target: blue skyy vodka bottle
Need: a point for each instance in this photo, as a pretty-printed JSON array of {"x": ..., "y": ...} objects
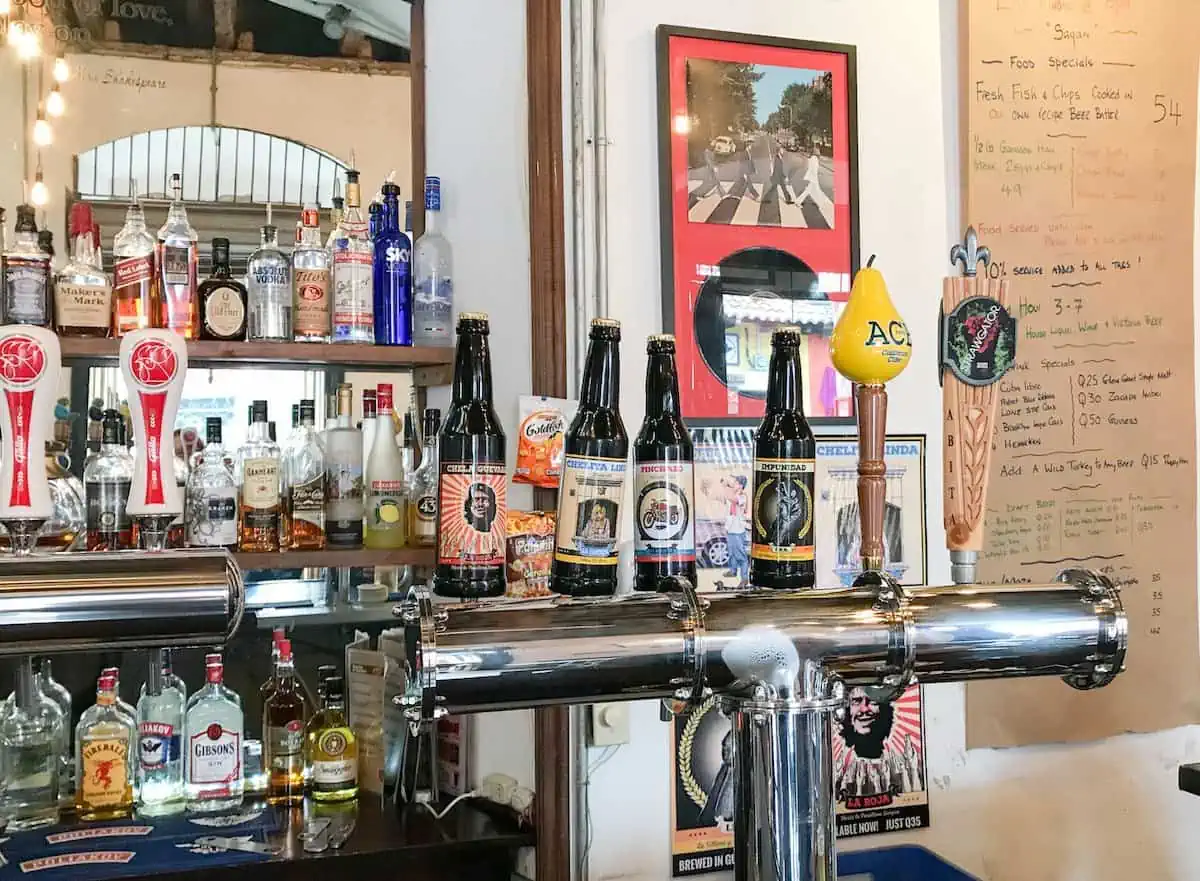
[
  {"x": 433, "y": 269},
  {"x": 393, "y": 275}
]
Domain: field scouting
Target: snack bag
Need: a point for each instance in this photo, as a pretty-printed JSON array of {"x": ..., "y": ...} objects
[
  {"x": 530, "y": 550},
  {"x": 540, "y": 446}
]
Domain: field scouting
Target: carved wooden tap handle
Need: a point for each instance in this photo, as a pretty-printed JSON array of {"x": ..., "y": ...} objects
[{"x": 871, "y": 407}]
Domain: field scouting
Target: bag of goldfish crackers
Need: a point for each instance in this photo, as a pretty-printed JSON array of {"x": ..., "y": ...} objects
[{"x": 544, "y": 424}]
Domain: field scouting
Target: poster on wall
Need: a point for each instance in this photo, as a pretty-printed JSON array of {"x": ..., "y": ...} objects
[
  {"x": 758, "y": 192},
  {"x": 701, "y": 792},
  {"x": 724, "y": 466}
]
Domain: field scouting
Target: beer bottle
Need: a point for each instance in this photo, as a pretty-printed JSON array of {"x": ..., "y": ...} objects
[
  {"x": 663, "y": 483},
  {"x": 472, "y": 480},
  {"x": 593, "y": 477},
  {"x": 782, "y": 542}
]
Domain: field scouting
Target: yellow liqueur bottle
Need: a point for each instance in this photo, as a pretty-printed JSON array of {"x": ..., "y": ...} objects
[
  {"x": 104, "y": 742},
  {"x": 332, "y": 748}
]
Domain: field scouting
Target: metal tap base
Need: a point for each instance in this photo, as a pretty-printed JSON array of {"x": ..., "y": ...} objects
[
  {"x": 23, "y": 535},
  {"x": 964, "y": 566},
  {"x": 153, "y": 531}
]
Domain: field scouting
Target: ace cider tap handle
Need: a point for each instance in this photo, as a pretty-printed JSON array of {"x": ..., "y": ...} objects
[
  {"x": 870, "y": 346},
  {"x": 154, "y": 365},
  {"x": 30, "y": 363},
  {"x": 978, "y": 339}
]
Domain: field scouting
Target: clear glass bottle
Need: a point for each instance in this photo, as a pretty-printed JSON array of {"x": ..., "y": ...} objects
[
  {"x": 160, "y": 736},
  {"x": 306, "y": 476},
  {"x": 284, "y": 714},
  {"x": 104, "y": 750},
  {"x": 353, "y": 260},
  {"x": 332, "y": 749},
  {"x": 169, "y": 678},
  {"x": 344, "y": 484},
  {"x": 259, "y": 464},
  {"x": 53, "y": 689},
  {"x": 106, "y": 481},
  {"x": 178, "y": 259},
  {"x": 433, "y": 276},
  {"x": 135, "y": 287},
  {"x": 31, "y": 742},
  {"x": 423, "y": 492},
  {"x": 26, "y": 275},
  {"x": 370, "y": 411},
  {"x": 125, "y": 708},
  {"x": 384, "y": 485},
  {"x": 82, "y": 293},
  {"x": 269, "y": 280},
  {"x": 211, "y": 497},
  {"x": 336, "y": 213},
  {"x": 213, "y": 756},
  {"x": 310, "y": 281},
  {"x": 223, "y": 299}
]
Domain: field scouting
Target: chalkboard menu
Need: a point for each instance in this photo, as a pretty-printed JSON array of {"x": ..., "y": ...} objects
[{"x": 1080, "y": 154}]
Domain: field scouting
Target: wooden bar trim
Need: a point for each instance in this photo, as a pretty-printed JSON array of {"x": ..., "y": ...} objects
[{"x": 416, "y": 64}]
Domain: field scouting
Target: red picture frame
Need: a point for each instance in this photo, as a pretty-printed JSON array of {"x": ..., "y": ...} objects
[{"x": 758, "y": 202}]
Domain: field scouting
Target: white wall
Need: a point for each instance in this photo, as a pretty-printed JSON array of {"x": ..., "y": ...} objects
[{"x": 1104, "y": 811}]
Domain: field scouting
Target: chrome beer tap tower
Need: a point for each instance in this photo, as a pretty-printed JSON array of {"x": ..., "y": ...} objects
[{"x": 780, "y": 662}]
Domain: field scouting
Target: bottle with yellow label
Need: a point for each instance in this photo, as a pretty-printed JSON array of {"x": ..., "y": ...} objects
[
  {"x": 331, "y": 748},
  {"x": 386, "y": 522},
  {"x": 104, "y": 745}
]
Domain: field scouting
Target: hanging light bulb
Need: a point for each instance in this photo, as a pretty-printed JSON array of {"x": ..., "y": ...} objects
[
  {"x": 62, "y": 71},
  {"x": 43, "y": 135},
  {"x": 15, "y": 33},
  {"x": 30, "y": 45},
  {"x": 39, "y": 195},
  {"x": 55, "y": 105},
  {"x": 5, "y": 7}
]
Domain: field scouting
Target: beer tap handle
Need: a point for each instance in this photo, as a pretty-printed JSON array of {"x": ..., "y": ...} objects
[{"x": 871, "y": 410}]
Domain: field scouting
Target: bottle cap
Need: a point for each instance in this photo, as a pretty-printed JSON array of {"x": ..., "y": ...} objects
[
  {"x": 271, "y": 431},
  {"x": 787, "y": 336},
  {"x": 81, "y": 219},
  {"x": 383, "y": 397},
  {"x": 212, "y": 430},
  {"x": 605, "y": 322},
  {"x": 285, "y": 649},
  {"x": 258, "y": 411},
  {"x": 270, "y": 231},
  {"x": 605, "y": 329},
  {"x": 46, "y": 241},
  {"x": 433, "y": 193},
  {"x": 220, "y": 250},
  {"x": 310, "y": 217},
  {"x": 473, "y": 322},
  {"x": 95, "y": 235},
  {"x": 25, "y": 221},
  {"x": 351, "y": 176},
  {"x": 110, "y": 427},
  {"x": 213, "y": 658},
  {"x": 105, "y": 683},
  {"x": 660, "y": 342},
  {"x": 390, "y": 190},
  {"x": 308, "y": 411}
]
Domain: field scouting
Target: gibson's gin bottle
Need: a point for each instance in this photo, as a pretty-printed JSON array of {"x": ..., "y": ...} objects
[
  {"x": 213, "y": 754},
  {"x": 269, "y": 281}
]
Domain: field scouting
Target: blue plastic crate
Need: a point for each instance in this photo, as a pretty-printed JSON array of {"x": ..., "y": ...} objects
[{"x": 906, "y": 862}]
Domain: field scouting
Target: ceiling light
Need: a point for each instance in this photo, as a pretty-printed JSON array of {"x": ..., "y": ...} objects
[
  {"x": 43, "y": 135},
  {"x": 62, "y": 72},
  {"x": 40, "y": 194},
  {"x": 30, "y": 45},
  {"x": 55, "y": 105}
]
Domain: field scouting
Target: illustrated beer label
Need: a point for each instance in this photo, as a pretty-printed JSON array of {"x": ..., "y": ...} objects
[
  {"x": 311, "y": 315},
  {"x": 663, "y": 494},
  {"x": 979, "y": 341},
  {"x": 105, "y": 772},
  {"x": 215, "y": 755},
  {"x": 782, "y": 509},
  {"x": 82, "y": 305},
  {"x": 589, "y": 501},
  {"x": 473, "y": 505},
  {"x": 224, "y": 311},
  {"x": 158, "y": 743}
]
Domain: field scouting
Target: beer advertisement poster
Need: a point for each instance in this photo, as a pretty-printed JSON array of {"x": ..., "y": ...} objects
[{"x": 702, "y": 794}]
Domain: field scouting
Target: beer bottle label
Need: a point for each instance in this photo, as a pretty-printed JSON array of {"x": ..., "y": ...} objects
[
  {"x": 783, "y": 509},
  {"x": 589, "y": 500},
  {"x": 665, "y": 528},
  {"x": 473, "y": 505}
]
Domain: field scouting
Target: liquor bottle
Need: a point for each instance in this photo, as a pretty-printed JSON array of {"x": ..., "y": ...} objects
[
  {"x": 433, "y": 274},
  {"x": 423, "y": 507},
  {"x": 386, "y": 499},
  {"x": 31, "y": 741},
  {"x": 104, "y": 749},
  {"x": 211, "y": 508},
  {"x": 370, "y": 408},
  {"x": 223, "y": 299},
  {"x": 593, "y": 478},
  {"x": 278, "y": 635},
  {"x": 160, "y": 754},
  {"x": 408, "y": 229},
  {"x": 53, "y": 689},
  {"x": 782, "y": 540},
  {"x": 472, "y": 475},
  {"x": 106, "y": 481},
  {"x": 82, "y": 294},
  {"x": 213, "y": 769},
  {"x": 664, "y": 494},
  {"x": 169, "y": 678},
  {"x": 310, "y": 281},
  {"x": 306, "y": 475},
  {"x": 344, "y": 483},
  {"x": 97, "y": 252},
  {"x": 125, "y": 708},
  {"x": 284, "y": 715},
  {"x": 269, "y": 280},
  {"x": 324, "y": 672},
  {"x": 352, "y": 260},
  {"x": 259, "y": 466},
  {"x": 332, "y": 748},
  {"x": 393, "y": 275},
  {"x": 135, "y": 288},
  {"x": 178, "y": 257},
  {"x": 374, "y": 217},
  {"x": 26, "y": 275},
  {"x": 335, "y": 215}
]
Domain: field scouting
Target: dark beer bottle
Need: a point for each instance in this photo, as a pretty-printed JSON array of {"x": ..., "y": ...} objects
[
  {"x": 663, "y": 480},
  {"x": 472, "y": 480},
  {"x": 782, "y": 543},
  {"x": 593, "y": 477}
]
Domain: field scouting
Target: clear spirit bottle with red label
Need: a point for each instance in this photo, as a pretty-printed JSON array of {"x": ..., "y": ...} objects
[{"x": 213, "y": 773}]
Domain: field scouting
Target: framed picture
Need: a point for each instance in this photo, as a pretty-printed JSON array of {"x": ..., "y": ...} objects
[{"x": 759, "y": 190}]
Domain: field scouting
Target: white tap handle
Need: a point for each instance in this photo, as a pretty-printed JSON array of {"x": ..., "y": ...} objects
[
  {"x": 154, "y": 364},
  {"x": 30, "y": 363}
]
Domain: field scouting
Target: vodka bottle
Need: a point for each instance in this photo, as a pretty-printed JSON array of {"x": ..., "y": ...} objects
[
  {"x": 310, "y": 281},
  {"x": 211, "y": 497},
  {"x": 269, "y": 281},
  {"x": 393, "y": 275},
  {"x": 26, "y": 274},
  {"x": 104, "y": 753},
  {"x": 213, "y": 753},
  {"x": 160, "y": 735},
  {"x": 31, "y": 742},
  {"x": 433, "y": 269},
  {"x": 353, "y": 258},
  {"x": 344, "y": 487},
  {"x": 178, "y": 257},
  {"x": 135, "y": 288}
]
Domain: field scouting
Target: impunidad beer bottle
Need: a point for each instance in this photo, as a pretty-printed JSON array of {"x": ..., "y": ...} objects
[
  {"x": 593, "y": 477},
  {"x": 472, "y": 478},
  {"x": 782, "y": 540},
  {"x": 664, "y": 490}
]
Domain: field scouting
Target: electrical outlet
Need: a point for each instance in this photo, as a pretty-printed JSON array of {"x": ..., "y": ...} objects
[{"x": 610, "y": 724}]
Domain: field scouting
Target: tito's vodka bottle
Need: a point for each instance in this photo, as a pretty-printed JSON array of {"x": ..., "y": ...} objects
[
  {"x": 106, "y": 480},
  {"x": 269, "y": 279},
  {"x": 135, "y": 290},
  {"x": 310, "y": 281},
  {"x": 213, "y": 755},
  {"x": 178, "y": 255},
  {"x": 353, "y": 261}
]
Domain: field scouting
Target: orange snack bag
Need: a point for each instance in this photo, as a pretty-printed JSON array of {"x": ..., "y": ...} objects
[
  {"x": 540, "y": 444},
  {"x": 530, "y": 551}
]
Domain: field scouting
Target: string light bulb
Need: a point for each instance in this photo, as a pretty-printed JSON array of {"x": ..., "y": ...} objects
[
  {"x": 43, "y": 135},
  {"x": 55, "y": 105},
  {"x": 5, "y": 7},
  {"x": 62, "y": 71},
  {"x": 39, "y": 195},
  {"x": 30, "y": 45},
  {"x": 15, "y": 33}
]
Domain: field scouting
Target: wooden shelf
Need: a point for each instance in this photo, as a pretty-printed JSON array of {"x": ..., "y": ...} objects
[
  {"x": 300, "y": 355},
  {"x": 337, "y": 558}
]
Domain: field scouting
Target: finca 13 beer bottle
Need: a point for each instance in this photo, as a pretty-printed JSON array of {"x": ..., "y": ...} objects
[
  {"x": 782, "y": 545},
  {"x": 663, "y": 478},
  {"x": 472, "y": 481},
  {"x": 593, "y": 479}
]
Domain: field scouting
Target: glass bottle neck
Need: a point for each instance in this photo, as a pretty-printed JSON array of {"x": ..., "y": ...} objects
[
  {"x": 662, "y": 386},
  {"x": 389, "y": 215},
  {"x": 82, "y": 249},
  {"x": 259, "y": 431},
  {"x": 601, "y": 376},
  {"x": 472, "y": 369},
  {"x": 432, "y": 218},
  {"x": 784, "y": 380}
]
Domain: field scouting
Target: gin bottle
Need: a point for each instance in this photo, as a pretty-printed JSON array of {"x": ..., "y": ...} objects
[
  {"x": 353, "y": 258},
  {"x": 269, "y": 280},
  {"x": 433, "y": 270},
  {"x": 178, "y": 257},
  {"x": 31, "y": 739},
  {"x": 211, "y": 497},
  {"x": 104, "y": 750},
  {"x": 310, "y": 281},
  {"x": 213, "y": 756},
  {"x": 26, "y": 274},
  {"x": 160, "y": 733}
]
